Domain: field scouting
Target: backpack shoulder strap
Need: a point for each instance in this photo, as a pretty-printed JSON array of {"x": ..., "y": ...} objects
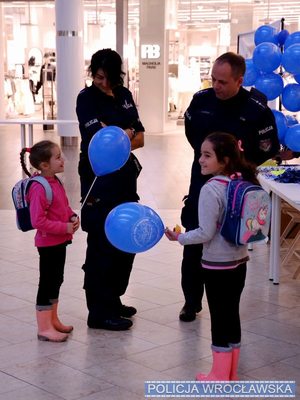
[
  {"x": 43, "y": 181},
  {"x": 222, "y": 179}
]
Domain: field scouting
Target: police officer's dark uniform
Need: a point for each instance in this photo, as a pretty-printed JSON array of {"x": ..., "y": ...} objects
[
  {"x": 249, "y": 119},
  {"x": 106, "y": 268}
]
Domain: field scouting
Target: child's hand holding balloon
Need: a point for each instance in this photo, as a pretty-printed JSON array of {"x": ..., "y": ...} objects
[{"x": 173, "y": 234}]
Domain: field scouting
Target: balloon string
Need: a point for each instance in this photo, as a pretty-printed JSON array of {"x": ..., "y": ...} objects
[{"x": 83, "y": 203}]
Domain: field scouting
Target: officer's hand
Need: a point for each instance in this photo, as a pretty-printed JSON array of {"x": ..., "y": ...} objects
[{"x": 286, "y": 155}]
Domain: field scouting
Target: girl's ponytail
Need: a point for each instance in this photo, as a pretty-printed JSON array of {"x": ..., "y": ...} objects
[
  {"x": 22, "y": 160},
  {"x": 228, "y": 150},
  {"x": 249, "y": 172}
]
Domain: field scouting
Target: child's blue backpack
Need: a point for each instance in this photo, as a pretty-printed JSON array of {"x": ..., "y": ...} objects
[
  {"x": 19, "y": 193},
  {"x": 248, "y": 212}
]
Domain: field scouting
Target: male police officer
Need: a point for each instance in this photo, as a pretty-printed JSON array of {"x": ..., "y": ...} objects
[{"x": 226, "y": 107}]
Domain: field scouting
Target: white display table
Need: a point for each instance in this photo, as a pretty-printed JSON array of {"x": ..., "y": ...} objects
[{"x": 290, "y": 192}]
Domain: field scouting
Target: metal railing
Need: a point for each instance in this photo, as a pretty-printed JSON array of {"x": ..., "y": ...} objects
[{"x": 27, "y": 134}]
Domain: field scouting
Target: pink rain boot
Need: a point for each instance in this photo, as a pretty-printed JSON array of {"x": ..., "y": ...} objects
[
  {"x": 46, "y": 330},
  {"x": 234, "y": 365},
  {"x": 58, "y": 325},
  {"x": 220, "y": 369}
]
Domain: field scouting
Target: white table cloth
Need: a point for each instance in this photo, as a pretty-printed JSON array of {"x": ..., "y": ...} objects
[{"x": 290, "y": 192}]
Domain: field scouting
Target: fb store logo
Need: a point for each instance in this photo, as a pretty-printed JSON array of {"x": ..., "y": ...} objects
[{"x": 150, "y": 51}]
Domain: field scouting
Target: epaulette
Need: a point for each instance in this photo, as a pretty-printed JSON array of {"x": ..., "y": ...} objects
[
  {"x": 202, "y": 91},
  {"x": 258, "y": 97},
  {"x": 83, "y": 90}
]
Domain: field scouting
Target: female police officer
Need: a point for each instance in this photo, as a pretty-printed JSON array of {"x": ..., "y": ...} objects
[{"x": 107, "y": 269}]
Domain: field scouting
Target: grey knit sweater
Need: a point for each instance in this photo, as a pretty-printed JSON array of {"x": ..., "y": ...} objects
[{"x": 218, "y": 253}]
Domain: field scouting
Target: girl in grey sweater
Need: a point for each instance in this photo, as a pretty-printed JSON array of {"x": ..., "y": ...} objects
[{"x": 224, "y": 264}]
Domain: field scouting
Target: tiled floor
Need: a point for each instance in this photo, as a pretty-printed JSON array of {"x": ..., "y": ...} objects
[{"x": 103, "y": 365}]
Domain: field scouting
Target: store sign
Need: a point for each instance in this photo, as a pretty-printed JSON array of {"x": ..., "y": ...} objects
[{"x": 150, "y": 52}]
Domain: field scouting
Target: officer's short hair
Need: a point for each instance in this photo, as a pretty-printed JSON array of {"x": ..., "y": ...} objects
[{"x": 236, "y": 61}]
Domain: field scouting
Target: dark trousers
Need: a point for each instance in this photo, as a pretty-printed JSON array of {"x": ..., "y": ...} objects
[
  {"x": 192, "y": 279},
  {"x": 223, "y": 291},
  {"x": 107, "y": 271},
  {"x": 52, "y": 264}
]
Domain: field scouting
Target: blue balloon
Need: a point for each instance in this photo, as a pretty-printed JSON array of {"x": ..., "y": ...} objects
[
  {"x": 265, "y": 33},
  {"x": 297, "y": 78},
  {"x": 291, "y": 59},
  {"x": 282, "y": 36},
  {"x": 267, "y": 57},
  {"x": 292, "y": 137},
  {"x": 293, "y": 38},
  {"x": 109, "y": 149},
  {"x": 270, "y": 84},
  {"x": 251, "y": 73},
  {"x": 291, "y": 120},
  {"x": 282, "y": 125},
  {"x": 291, "y": 97},
  {"x": 133, "y": 227}
]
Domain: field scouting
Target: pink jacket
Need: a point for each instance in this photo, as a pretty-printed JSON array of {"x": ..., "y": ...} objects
[{"x": 50, "y": 221}]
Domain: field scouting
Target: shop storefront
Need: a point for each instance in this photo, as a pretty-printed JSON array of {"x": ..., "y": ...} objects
[{"x": 194, "y": 34}]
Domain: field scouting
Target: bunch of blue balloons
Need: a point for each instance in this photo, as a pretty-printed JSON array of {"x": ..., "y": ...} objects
[
  {"x": 130, "y": 227},
  {"x": 276, "y": 50}
]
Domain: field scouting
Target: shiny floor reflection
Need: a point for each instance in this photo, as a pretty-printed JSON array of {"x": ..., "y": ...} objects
[{"x": 96, "y": 365}]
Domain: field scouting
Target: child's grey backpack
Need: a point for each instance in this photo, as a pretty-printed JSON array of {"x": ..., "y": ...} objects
[{"x": 19, "y": 193}]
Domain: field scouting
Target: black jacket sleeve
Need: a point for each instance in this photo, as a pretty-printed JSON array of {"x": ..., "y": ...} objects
[
  {"x": 263, "y": 142},
  {"x": 88, "y": 117},
  {"x": 196, "y": 122}
]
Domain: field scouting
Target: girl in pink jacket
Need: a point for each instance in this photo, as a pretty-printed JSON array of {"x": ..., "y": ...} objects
[{"x": 55, "y": 224}]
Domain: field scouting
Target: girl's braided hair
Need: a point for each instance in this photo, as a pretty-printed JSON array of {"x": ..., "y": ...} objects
[
  {"x": 22, "y": 160},
  {"x": 38, "y": 153}
]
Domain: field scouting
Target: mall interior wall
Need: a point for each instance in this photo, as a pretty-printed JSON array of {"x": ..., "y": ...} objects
[{"x": 153, "y": 64}]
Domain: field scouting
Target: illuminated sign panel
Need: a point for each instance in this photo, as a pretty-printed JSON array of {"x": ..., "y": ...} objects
[{"x": 150, "y": 51}]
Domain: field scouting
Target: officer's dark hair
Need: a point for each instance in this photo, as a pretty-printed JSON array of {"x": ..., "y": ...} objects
[
  {"x": 236, "y": 61},
  {"x": 111, "y": 63},
  {"x": 228, "y": 151},
  {"x": 38, "y": 153}
]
